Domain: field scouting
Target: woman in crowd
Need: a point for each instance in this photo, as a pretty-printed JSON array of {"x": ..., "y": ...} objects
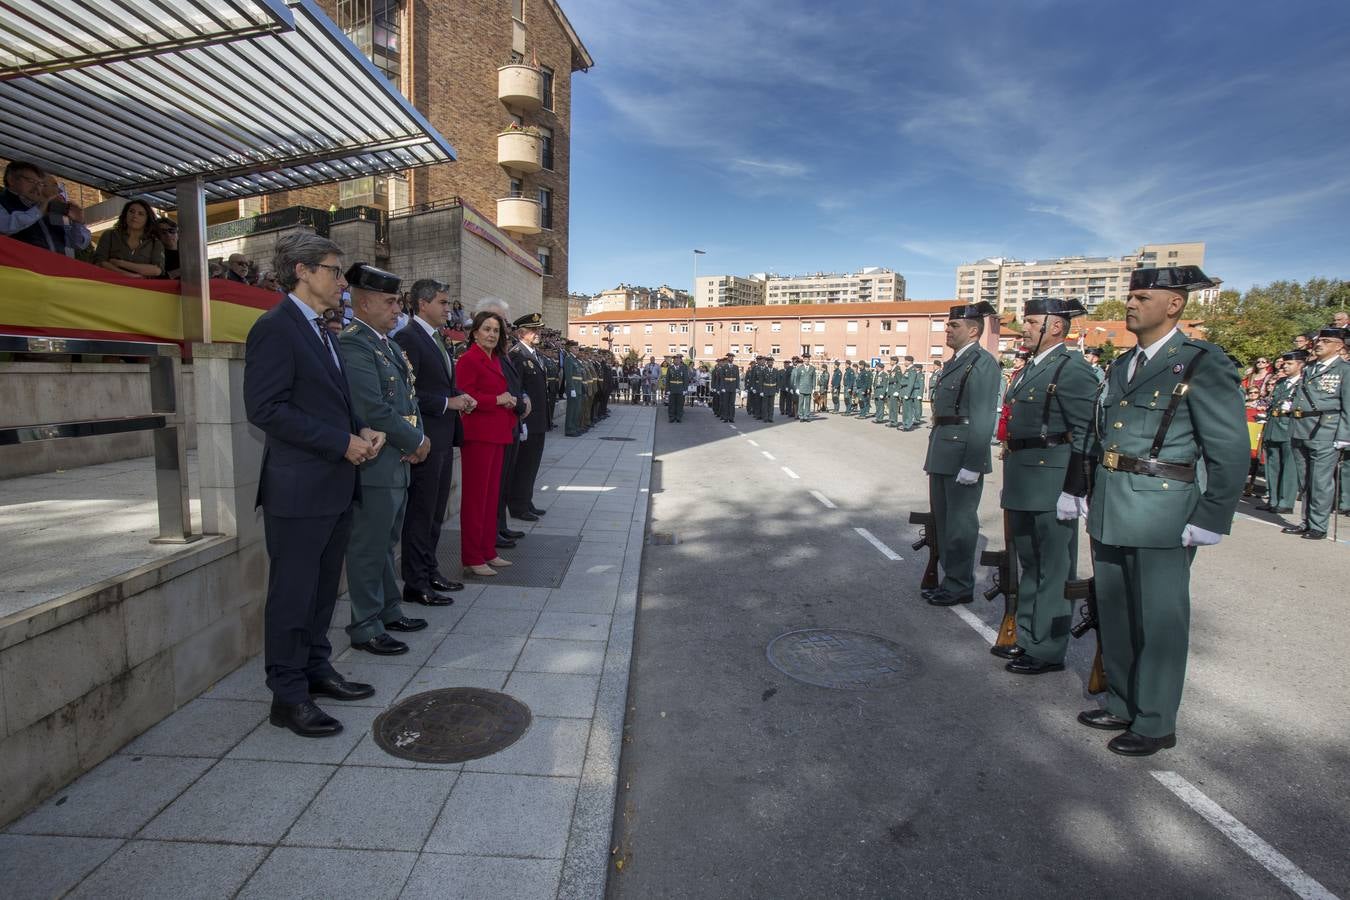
[
  {"x": 1260, "y": 377},
  {"x": 132, "y": 247},
  {"x": 166, "y": 230},
  {"x": 487, "y": 431}
]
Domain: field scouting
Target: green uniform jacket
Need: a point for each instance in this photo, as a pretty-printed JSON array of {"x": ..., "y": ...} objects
[
  {"x": 864, "y": 380},
  {"x": 768, "y": 379},
  {"x": 730, "y": 379},
  {"x": 881, "y": 380},
  {"x": 1278, "y": 427},
  {"x": 836, "y": 379},
  {"x": 803, "y": 379},
  {"x": 381, "y": 382},
  {"x": 573, "y": 378},
  {"x": 932, "y": 384},
  {"x": 677, "y": 377},
  {"x": 952, "y": 448},
  {"x": 915, "y": 383},
  {"x": 1210, "y": 427},
  {"x": 850, "y": 379},
  {"x": 1034, "y": 477},
  {"x": 1328, "y": 390},
  {"x": 823, "y": 379}
]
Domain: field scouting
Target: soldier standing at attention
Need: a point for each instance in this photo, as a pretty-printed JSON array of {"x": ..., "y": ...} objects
[
  {"x": 964, "y": 416},
  {"x": 381, "y": 381},
  {"x": 573, "y": 388},
  {"x": 913, "y": 398},
  {"x": 1168, "y": 405},
  {"x": 1052, "y": 399},
  {"x": 1283, "y": 475},
  {"x": 1321, "y": 412},
  {"x": 864, "y": 383},
  {"x": 897, "y": 384},
  {"x": 881, "y": 385},
  {"x": 677, "y": 378},
  {"x": 836, "y": 385},
  {"x": 731, "y": 386},
  {"x": 752, "y": 388},
  {"x": 1094, "y": 358},
  {"x": 803, "y": 383},
  {"x": 769, "y": 384},
  {"x": 850, "y": 384}
]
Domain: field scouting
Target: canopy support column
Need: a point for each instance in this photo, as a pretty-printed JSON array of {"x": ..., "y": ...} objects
[{"x": 195, "y": 292}]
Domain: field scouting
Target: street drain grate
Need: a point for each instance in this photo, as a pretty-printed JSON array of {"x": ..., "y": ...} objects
[
  {"x": 663, "y": 538},
  {"x": 451, "y": 725},
  {"x": 617, "y": 439},
  {"x": 839, "y": 658}
]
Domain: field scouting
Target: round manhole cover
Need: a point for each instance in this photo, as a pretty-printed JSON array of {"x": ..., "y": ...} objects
[
  {"x": 839, "y": 658},
  {"x": 617, "y": 439},
  {"x": 451, "y": 725}
]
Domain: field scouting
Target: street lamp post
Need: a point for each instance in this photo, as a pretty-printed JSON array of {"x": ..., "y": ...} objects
[{"x": 693, "y": 308}]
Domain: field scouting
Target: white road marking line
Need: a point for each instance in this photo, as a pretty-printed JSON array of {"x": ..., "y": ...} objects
[
  {"x": 544, "y": 488},
  {"x": 872, "y": 539},
  {"x": 1275, "y": 862},
  {"x": 579, "y": 488},
  {"x": 767, "y": 455},
  {"x": 976, "y": 622},
  {"x": 824, "y": 501},
  {"x": 1276, "y": 525},
  {"x": 753, "y": 442},
  {"x": 790, "y": 473}
]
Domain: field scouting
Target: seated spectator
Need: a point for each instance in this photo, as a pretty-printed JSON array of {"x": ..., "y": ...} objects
[
  {"x": 167, "y": 229},
  {"x": 34, "y": 210},
  {"x": 130, "y": 247},
  {"x": 237, "y": 268},
  {"x": 215, "y": 268},
  {"x": 459, "y": 319},
  {"x": 268, "y": 282}
]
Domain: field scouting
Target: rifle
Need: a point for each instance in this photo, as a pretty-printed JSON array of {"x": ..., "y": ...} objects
[
  {"x": 927, "y": 538},
  {"x": 1005, "y": 582},
  {"x": 1086, "y": 589}
]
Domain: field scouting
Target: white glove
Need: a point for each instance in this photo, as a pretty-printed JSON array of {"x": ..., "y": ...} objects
[
  {"x": 1341, "y": 445},
  {"x": 1192, "y": 536},
  {"x": 967, "y": 477},
  {"x": 1068, "y": 507},
  {"x": 574, "y": 395},
  {"x": 524, "y": 431}
]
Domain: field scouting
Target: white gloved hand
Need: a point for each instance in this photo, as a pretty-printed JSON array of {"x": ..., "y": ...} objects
[
  {"x": 1341, "y": 445},
  {"x": 574, "y": 395},
  {"x": 1193, "y": 536},
  {"x": 1068, "y": 507},
  {"x": 967, "y": 477},
  {"x": 524, "y": 431}
]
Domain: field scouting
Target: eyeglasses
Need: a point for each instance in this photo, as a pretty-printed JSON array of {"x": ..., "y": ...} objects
[{"x": 336, "y": 270}]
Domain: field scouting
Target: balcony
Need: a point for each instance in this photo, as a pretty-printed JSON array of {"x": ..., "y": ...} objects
[
  {"x": 519, "y": 150},
  {"x": 518, "y": 215},
  {"x": 520, "y": 86}
]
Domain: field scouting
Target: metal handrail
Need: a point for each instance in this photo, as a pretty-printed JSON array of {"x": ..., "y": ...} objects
[
  {"x": 429, "y": 206},
  {"x": 166, "y": 420}
]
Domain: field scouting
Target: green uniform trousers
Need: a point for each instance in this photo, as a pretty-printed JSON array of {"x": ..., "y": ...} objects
[
  {"x": 881, "y": 410},
  {"x": 572, "y": 424},
  {"x": 1144, "y": 615},
  {"x": 956, "y": 512},
  {"x": 1283, "y": 475},
  {"x": 769, "y": 402},
  {"x": 1047, "y": 550},
  {"x": 910, "y": 412},
  {"x": 865, "y": 407},
  {"x": 377, "y": 526},
  {"x": 677, "y": 405},
  {"x": 834, "y": 399},
  {"x": 893, "y": 409},
  {"x": 1319, "y": 483},
  {"x": 1345, "y": 483},
  {"x": 803, "y": 406}
]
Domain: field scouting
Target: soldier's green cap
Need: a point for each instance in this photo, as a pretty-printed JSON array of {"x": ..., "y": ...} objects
[
  {"x": 979, "y": 310},
  {"x": 533, "y": 320},
  {"x": 368, "y": 278},
  {"x": 1053, "y": 306},
  {"x": 1172, "y": 278}
]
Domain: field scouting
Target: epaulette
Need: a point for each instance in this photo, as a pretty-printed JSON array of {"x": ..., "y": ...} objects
[
  {"x": 1206, "y": 346},
  {"x": 351, "y": 329}
]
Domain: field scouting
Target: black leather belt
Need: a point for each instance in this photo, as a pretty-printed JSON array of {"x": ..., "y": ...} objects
[
  {"x": 1310, "y": 413},
  {"x": 951, "y": 420},
  {"x": 1118, "y": 462},
  {"x": 1039, "y": 443}
]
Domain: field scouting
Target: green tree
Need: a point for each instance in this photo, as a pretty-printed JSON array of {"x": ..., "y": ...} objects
[
  {"x": 1264, "y": 320},
  {"x": 1108, "y": 311}
]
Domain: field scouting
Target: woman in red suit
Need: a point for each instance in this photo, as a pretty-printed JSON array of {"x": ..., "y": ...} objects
[{"x": 487, "y": 431}]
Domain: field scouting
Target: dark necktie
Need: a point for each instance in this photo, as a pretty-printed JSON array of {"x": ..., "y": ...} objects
[
  {"x": 1141, "y": 360},
  {"x": 327, "y": 341}
]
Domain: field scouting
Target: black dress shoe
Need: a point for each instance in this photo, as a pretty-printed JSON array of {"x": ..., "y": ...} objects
[
  {"x": 926, "y": 593},
  {"x": 509, "y": 534},
  {"x": 1131, "y": 744},
  {"x": 1007, "y": 652},
  {"x": 441, "y": 583},
  {"x": 525, "y": 517},
  {"x": 1286, "y": 510},
  {"x": 1311, "y": 535},
  {"x": 305, "y": 719},
  {"x": 1030, "y": 665},
  {"x": 1265, "y": 507},
  {"x": 504, "y": 544},
  {"x": 1100, "y": 718},
  {"x": 427, "y": 598},
  {"x": 1293, "y": 529},
  {"x": 340, "y": 688},
  {"x": 406, "y": 624},
  {"x": 946, "y": 598},
  {"x": 536, "y": 510},
  {"x": 382, "y": 645}
]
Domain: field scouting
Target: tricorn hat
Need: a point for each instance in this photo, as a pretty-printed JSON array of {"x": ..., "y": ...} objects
[
  {"x": 1300, "y": 355},
  {"x": 979, "y": 310},
  {"x": 1053, "y": 306},
  {"x": 1172, "y": 278},
  {"x": 1338, "y": 334},
  {"x": 367, "y": 277}
]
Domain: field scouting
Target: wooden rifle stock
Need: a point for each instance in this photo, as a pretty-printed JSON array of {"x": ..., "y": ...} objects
[
  {"x": 927, "y": 538},
  {"x": 1085, "y": 589},
  {"x": 1004, "y": 563}
]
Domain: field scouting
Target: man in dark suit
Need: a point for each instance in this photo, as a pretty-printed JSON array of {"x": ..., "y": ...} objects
[
  {"x": 534, "y": 381},
  {"x": 440, "y": 403},
  {"x": 295, "y": 392}
]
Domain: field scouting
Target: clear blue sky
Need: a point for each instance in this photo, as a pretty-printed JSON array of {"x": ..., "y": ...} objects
[{"x": 801, "y": 136}]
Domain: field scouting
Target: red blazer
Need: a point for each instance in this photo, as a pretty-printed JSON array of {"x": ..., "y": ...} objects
[{"x": 480, "y": 376}]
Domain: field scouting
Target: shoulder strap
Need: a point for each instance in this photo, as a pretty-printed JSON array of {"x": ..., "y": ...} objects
[
  {"x": 1052, "y": 390},
  {"x": 961, "y": 387},
  {"x": 1178, "y": 393}
]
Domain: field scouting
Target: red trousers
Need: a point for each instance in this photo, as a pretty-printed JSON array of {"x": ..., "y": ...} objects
[{"x": 481, "y": 476}]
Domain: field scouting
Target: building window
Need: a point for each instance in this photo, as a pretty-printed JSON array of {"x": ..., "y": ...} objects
[
  {"x": 939, "y": 325},
  {"x": 707, "y": 350},
  {"x": 646, "y": 329},
  {"x": 806, "y": 350},
  {"x": 885, "y": 324},
  {"x": 647, "y": 349},
  {"x": 884, "y": 350},
  {"x": 545, "y": 208},
  {"x": 735, "y": 348},
  {"x": 820, "y": 327},
  {"x": 547, "y": 77},
  {"x": 820, "y": 349},
  {"x": 775, "y": 349},
  {"x": 902, "y": 325},
  {"x": 901, "y": 351},
  {"x": 936, "y": 351},
  {"x": 684, "y": 328},
  {"x": 776, "y": 326},
  {"x": 545, "y": 260},
  {"x": 628, "y": 329},
  {"x": 670, "y": 348},
  {"x": 672, "y": 327},
  {"x": 806, "y": 326},
  {"x": 546, "y": 148},
  {"x": 735, "y": 327},
  {"x": 852, "y": 327},
  {"x": 709, "y": 328},
  {"x": 851, "y": 350}
]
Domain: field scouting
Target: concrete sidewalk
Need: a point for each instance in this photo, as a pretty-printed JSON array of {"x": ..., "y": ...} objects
[{"x": 216, "y": 802}]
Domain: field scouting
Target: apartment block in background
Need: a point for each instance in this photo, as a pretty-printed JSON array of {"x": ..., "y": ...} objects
[{"x": 869, "y": 285}]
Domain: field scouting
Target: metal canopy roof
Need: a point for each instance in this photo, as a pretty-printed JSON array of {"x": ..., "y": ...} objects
[
  {"x": 248, "y": 117},
  {"x": 48, "y": 35}
]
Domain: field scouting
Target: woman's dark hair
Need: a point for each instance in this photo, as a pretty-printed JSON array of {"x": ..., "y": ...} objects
[
  {"x": 482, "y": 317},
  {"x": 151, "y": 230}
]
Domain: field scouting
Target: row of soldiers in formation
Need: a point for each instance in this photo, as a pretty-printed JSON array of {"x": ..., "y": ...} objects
[{"x": 1153, "y": 455}]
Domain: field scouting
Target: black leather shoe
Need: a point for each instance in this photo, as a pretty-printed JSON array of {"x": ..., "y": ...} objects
[
  {"x": 1293, "y": 529},
  {"x": 1007, "y": 652},
  {"x": 1030, "y": 665},
  {"x": 305, "y": 719},
  {"x": 1131, "y": 744},
  {"x": 509, "y": 534},
  {"x": 1286, "y": 510},
  {"x": 1311, "y": 535},
  {"x": 406, "y": 624},
  {"x": 340, "y": 688},
  {"x": 441, "y": 583},
  {"x": 382, "y": 645},
  {"x": 1100, "y": 718},
  {"x": 525, "y": 517},
  {"x": 926, "y": 593},
  {"x": 504, "y": 544},
  {"x": 537, "y": 511},
  {"x": 944, "y": 598},
  {"x": 1265, "y": 507},
  {"x": 427, "y": 598}
]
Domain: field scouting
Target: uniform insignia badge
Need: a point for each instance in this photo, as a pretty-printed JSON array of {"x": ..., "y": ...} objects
[
  {"x": 1178, "y": 369},
  {"x": 1329, "y": 383}
]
